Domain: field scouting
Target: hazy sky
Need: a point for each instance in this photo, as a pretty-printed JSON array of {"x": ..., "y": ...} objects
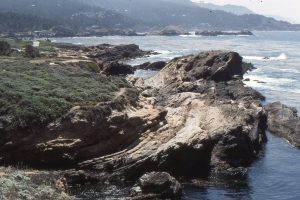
[{"x": 289, "y": 9}]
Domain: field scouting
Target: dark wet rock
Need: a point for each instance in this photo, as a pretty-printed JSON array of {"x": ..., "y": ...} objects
[
  {"x": 116, "y": 68},
  {"x": 171, "y": 31},
  {"x": 217, "y": 33},
  {"x": 214, "y": 65},
  {"x": 151, "y": 66},
  {"x": 248, "y": 67},
  {"x": 160, "y": 184},
  {"x": 283, "y": 121},
  {"x": 108, "y": 52},
  {"x": 214, "y": 73}
]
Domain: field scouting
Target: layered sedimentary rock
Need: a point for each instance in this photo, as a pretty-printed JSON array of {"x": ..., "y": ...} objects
[
  {"x": 194, "y": 116},
  {"x": 213, "y": 121}
]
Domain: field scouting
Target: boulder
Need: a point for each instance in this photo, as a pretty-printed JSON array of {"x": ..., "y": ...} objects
[
  {"x": 161, "y": 184},
  {"x": 116, "y": 68},
  {"x": 283, "y": 121}
]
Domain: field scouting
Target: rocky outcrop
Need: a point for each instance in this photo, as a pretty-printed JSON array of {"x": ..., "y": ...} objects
[
  {"x": 102, "y": 52},
  {"x": 116, "y": 68},
  {"x": 158, "y": 185},
  {"x": 151, "y": 66},
  {"x": 118, "y": 52},
  {"x": 194, "y": 116},
  {"x": 83, "y": 133},
  {"x": 219, "y": 127},
  {"x": 283, "y": 121},
  {"x": 170, "y": 31},
  {"x": 217, "y": 33}
]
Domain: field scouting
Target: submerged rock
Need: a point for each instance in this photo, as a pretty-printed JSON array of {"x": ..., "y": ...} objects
[{"x": 284, "y": 122}]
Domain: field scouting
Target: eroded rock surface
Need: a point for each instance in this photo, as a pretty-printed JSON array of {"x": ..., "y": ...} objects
[
  {"x": 194, "y": 116},
  {"x": 212, "y": 121},
  {"x": 283, "y": 121},
  {"x": 83, "y": 133}
]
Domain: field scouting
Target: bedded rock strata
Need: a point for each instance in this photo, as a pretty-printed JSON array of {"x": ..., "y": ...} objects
[
  {"x": 217, "y": 127},
  {"x": 194, "y": 116},
  {"x": 83, "y": 133}
]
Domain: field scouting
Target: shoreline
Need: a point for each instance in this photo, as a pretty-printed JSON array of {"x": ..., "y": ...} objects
[{"x": 158, "y": 114}]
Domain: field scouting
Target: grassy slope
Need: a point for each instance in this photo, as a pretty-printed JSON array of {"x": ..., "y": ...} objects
[{"x": 39, "y": 93}]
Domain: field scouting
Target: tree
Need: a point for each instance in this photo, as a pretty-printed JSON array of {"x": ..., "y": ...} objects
[
  {"x": 5, "y": 48},
  {"x": 31, "y": 52}
]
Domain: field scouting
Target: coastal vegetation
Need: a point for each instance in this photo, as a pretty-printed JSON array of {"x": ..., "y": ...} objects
[
  {"x": 37, "y": 91},
  {"x": 4, "y": 48},
  {"x": 17, "y": 183}
]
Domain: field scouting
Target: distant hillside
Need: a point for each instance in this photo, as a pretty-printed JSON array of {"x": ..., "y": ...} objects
[
  {"x": 238, "y": 10},
  {"x": 188, "y": 14},
  {"x": 66, "y": 12},
  {"x": 78, "y": 16},
  {"x": 12, "y": 22}
]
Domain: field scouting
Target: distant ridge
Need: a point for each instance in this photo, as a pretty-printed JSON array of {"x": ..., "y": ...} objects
[{"x": 237, "y": 10}]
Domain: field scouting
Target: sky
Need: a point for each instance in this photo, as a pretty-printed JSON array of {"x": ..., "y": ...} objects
[{"x": 289, "y": 9}]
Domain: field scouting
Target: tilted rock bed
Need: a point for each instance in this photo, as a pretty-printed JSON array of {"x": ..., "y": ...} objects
[
  {"x": 197, "y": 117},
  {"x": 212, "y": 121}
]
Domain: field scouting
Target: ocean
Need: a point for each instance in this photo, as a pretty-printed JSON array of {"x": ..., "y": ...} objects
[{"x": 276, "y": 55}]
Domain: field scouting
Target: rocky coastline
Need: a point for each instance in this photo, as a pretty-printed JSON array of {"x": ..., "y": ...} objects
[{"x": 193, "y": 118}]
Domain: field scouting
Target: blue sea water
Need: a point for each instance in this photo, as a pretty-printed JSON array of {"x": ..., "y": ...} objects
[{"x": 276, "y": 55}]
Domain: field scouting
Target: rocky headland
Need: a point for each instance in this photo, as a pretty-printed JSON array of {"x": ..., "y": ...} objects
[{"x": 193, "y": 118}]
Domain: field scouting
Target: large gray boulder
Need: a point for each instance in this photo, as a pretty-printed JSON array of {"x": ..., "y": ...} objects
[
  {"x": 284, "y": 122},
  {"x": 161, "y": 184}
]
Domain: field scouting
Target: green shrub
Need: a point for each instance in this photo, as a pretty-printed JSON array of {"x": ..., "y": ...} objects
[
  {"x": 38, "y": 94},
  {"x": 89, "y": 66},
  {"x": 5, "y": 48},
  {"x": 31, "y": 52}
]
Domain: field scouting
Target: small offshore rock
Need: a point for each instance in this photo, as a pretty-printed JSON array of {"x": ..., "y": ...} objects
[
  {"x": 160, "y": 183},
  {"x": 283, "y": 121}
]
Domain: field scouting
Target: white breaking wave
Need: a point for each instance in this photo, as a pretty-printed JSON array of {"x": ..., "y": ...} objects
[
  {"x": 282, "y": 56},
  {"x": 275, "y": 84}
]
